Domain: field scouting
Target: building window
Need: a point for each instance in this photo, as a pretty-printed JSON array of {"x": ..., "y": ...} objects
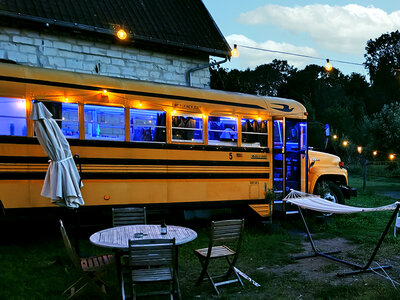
[
  {"x": 67, "y": 117},
  {"x": 104, "y": 123},
  {"x": 147, "y": 125},
  {"x": 12, "y": 116},
  {"x": 222, "y": 131},
  {"x": 187, "y": 128},
  {"x": 254, "y": 133}
]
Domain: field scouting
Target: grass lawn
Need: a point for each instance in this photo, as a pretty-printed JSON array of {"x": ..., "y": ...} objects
[{"x": 34, "y": 263}]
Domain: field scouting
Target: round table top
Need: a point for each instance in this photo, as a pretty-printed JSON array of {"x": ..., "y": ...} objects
[{"x": 118, "y": 237}]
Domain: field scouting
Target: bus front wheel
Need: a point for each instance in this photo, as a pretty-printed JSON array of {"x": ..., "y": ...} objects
[{"x": 331, "y": 191}]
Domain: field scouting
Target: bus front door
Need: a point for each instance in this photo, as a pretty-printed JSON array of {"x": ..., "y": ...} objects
[{"x": 289, "y": 159}]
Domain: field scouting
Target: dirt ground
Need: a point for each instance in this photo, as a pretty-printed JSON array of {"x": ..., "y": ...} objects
[{"x": 326, "y": 270}]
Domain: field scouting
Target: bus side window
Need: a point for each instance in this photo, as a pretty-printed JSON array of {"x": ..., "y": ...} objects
[
  {"x": 222, "y": 131},
  {"x": 104, "y": 123},
  {"x": 254, "y": 133},
  {"x": 187, "y": 128},
  {"x": 66, "y": 116},
  {"x": 147, "y": 125},
  {"x": 12, "y": 116}
]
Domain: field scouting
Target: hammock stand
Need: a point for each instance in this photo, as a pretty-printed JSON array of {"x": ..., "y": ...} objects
[{"x": 323, "y": 205}]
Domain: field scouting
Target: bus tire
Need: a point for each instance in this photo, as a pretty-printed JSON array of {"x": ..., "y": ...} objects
[{"x": 334, "y": 192}]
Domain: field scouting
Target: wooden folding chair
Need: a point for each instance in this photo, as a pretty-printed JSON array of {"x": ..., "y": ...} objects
[
  {"x": 91, "y": 269},
  {"x": 222, "y": 232},
  {"x": 129, "y": 216},
  {"x": 151, "y": 261}
]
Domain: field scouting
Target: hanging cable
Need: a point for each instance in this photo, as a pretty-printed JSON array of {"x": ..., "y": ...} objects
[{"x": 301, "y": 55}]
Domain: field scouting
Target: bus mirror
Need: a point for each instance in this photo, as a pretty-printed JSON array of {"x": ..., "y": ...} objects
[{"x": 327, "y": 130}]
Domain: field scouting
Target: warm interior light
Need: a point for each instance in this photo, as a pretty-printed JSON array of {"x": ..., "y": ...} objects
[
  {"x": 21, "y": 104},
  {"x": 328, "y": 65},
  {"x": 334, "y": 137},
  {"x": 345, "y": 143},
  {"x": 66, "y": 99},
  {"x": 173, "y": 112},
  {"x": 140, "y": 104},
  {"x": 121, "y": 34},
  {"x": 259, "y": 119},
  {"x": 375, "y": 153},
  {"x": 359, "y": 149},
  {"x": 105, "y": 92},
  {"x": 392, "y": 156},
  {"x": 235, "y": 52}
]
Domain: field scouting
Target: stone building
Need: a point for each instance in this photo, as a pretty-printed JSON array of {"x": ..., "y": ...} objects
[{"x": 165, "y": 38}]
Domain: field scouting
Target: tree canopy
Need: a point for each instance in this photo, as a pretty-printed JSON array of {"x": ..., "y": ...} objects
[{"x": 349, "y": 103}]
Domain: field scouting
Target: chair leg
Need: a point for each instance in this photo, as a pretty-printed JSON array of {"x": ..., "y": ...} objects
[
  {"x": 212, "y": 282},
  {"x": 204, "y": 265},
  {"x": 176, "y": 286},
  {"x": 232, "y": 269}
]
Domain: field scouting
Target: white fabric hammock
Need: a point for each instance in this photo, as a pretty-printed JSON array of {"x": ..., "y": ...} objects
[{"x": 315, "y": 202}]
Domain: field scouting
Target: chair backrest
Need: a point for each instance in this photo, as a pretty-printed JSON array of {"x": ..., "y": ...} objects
[
  {"x": 226, "y": 231},
  {"x": 71, "y": 252},
  {"x": 129, "y": 216},
  {"x": 152, "y": 252}
]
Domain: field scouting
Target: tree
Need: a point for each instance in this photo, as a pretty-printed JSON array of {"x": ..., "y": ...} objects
[
  {"x": 263, "y": 80},
  {"x": 382, "y": 60},
  {"x": 384, "y": 128}
]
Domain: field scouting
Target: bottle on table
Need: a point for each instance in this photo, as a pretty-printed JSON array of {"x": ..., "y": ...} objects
[{"x": 163, "y": 227}]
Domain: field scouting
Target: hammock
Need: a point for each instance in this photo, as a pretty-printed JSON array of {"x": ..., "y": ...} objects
[{"x": 314, "y": 202}]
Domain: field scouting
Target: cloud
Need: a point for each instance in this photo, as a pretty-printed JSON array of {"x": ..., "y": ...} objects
[
  {"x": 343, "y": 29},
  {"x": 249, "y": 58}
]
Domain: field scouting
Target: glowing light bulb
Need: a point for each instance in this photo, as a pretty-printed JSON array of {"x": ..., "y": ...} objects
[
  {"x": 392, "y": 156},
  {"x": 121, "y": 34},
  {"x": 334, "y": 137},
  {"x": 345, "y": 143},
  {"x": 359, "y": 149},
  {"x": 328, "y": 65},
  {"x": 235, "y": 51},
  {"x": 375, "y": 153}
]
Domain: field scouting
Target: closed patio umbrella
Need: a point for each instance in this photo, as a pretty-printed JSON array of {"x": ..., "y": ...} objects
[{"x": 62, "y": 182}]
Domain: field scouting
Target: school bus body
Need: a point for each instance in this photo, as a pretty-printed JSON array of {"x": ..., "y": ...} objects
[{"x": 126, "y": 172}]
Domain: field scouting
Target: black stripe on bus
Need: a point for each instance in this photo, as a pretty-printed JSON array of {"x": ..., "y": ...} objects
[
  {"x": 132, "y": 175},
  {"x": 118, "y": 144},
  {"x": 143, "y": 162},
  {"x": 122, "y": 91}
]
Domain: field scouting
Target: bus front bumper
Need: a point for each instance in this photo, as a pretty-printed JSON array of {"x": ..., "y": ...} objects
[{"x": 348, "y": 191}]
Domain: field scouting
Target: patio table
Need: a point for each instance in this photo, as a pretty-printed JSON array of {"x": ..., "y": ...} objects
[{"x": 118, "y": 238}]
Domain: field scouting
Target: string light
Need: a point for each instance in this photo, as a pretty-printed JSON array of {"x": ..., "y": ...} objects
[
  {"x": 235, "y": 51},
  {"x": 301, "y": 55}
]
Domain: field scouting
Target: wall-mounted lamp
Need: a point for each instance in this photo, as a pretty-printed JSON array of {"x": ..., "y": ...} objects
[
  {"x": 121, "y": 34},
  {"x": 359, "y": 149},
  {"x": 375, "y": 153},
  {"x": 328, "y": 65},
  {"x": 392, "y": 156},
  {"x": 235, "y": 51}
]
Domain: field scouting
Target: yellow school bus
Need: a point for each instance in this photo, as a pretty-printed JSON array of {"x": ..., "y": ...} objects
[{"x": 142, "y": 143}]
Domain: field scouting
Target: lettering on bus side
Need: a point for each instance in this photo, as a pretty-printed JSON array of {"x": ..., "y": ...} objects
[{"x": 258, "y": 156}]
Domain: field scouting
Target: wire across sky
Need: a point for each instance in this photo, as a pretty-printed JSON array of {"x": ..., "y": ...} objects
[{"x": 301, "y": 55}]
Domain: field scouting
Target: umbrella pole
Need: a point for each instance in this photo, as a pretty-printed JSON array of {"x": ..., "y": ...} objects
[{"x": 76, "y": 231}]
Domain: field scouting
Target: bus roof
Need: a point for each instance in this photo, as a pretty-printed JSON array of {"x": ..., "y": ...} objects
[{"x": 39, "y": 83}]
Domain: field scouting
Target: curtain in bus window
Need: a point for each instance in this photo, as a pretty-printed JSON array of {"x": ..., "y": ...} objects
[
  {"x": 104, "y": 123},
  {"x": 222, "y": 131},
  {"x": 254, "y": 133},
  {"x": 12, "y": 116},
  {"x": 66, "y": 116},
  {"x": 147, "y": 125},
  {"x": 187, "y": 129}
]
